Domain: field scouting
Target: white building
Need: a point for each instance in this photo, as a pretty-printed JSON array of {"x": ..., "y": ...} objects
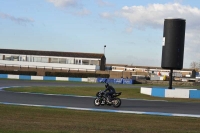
[{"x": 52, "y": 59}]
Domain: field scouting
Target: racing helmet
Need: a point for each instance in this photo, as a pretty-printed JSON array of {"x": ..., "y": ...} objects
[{"x": 106, "y": 85}]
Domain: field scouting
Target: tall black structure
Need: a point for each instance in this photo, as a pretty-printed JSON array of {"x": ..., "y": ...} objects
[{"x": 173, "y": 45}]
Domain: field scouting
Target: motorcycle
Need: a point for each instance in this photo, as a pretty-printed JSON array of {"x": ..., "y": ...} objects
[{"x": 101, "y": 99}]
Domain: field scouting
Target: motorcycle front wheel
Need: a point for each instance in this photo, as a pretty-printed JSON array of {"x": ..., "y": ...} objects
[
  {"x": 97, "y": 101},
  {"x": 116, "y": 102}
]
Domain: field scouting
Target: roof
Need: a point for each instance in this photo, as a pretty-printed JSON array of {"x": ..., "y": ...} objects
[{"x": 51, "y": 53}]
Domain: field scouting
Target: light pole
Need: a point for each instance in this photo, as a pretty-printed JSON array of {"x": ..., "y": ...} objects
[{"x": 104, "y": 49}]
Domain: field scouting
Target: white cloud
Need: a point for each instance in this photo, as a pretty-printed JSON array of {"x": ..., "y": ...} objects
[
  {"x": 192, "y": 45},
  {"x": 64, "y": 3},
  {"x": 83, "y": 12},
  {"x": 103, "y": 3},
  {"x": 75, "y": 7},
  {"x": 153, "y": 15},
  {"x": 18, "y": 20},
  {"x": 107, "y": 16}
]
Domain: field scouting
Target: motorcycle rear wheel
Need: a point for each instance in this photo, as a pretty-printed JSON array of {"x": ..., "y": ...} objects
[{"x": 116, "y": 102}]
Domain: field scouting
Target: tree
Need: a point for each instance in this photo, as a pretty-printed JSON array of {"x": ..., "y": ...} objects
[
  {"x": 199, "y": 66},
  {"x": 195, "y": 66}
]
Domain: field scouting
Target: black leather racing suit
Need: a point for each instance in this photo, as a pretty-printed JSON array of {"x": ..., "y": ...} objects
[{"x": 109, "y": 92}]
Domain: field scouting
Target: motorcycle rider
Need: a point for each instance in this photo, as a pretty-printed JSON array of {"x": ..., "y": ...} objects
[{"x": 109, "y": 91}]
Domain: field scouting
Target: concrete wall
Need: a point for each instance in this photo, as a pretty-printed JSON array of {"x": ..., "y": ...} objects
[
  {"x": 171, "y": 93},
  {"x": 41, "y": 71},
  {"x": 124, "y": 74}
]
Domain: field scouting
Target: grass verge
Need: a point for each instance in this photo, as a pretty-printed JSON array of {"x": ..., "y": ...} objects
[{"x": 20, "y": 119}]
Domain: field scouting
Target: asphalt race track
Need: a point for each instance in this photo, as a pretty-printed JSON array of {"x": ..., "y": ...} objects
[{"x": 86, "y": 103}]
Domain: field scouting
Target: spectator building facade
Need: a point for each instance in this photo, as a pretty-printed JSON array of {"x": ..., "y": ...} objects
[{"x": 52, "y": 59}]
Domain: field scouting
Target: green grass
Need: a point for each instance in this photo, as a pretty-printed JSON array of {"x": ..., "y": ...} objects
[
  {"x": 91, "y": 91},
  {"x": 20, "y": 119}
]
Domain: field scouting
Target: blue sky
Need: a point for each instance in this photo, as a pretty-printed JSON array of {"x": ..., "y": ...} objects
[{"x": 131, "y": 30}]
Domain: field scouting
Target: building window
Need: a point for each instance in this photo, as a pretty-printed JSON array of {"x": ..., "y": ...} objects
[
  {"x": 54, "y": 60},
  {"x": 94, "y": 62},
  {"x": 44, "y": 59},
  {"x": 78, "y": 61},
  {"x": 1, "y": 57},
  {"x": 29, "y": 58},
  {"x": 113, "y": 68},
  {"x": 15, "y": 58},
  {"x": 85, "y": 62},
  {"x": 22, "y": 58},
  {"x": 37, "y": 59},
  {"x": 62, "y": 61},
  {"x": 70, "y": 61},
  {"x": 8, "y": 57},
  {"x": 11, "y": 57}
]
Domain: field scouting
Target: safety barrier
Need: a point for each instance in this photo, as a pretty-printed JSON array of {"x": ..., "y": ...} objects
[
  {"x": 27, "y": 77},
  {"x": 99, "y": 80},
  {"x": 92, "y": 79},
  {"x": 118, "y": 81},
  {"x": 115, "y": 81},
  {"x": 171, "y": 93},
  {"x": 128, "y": 81}
]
